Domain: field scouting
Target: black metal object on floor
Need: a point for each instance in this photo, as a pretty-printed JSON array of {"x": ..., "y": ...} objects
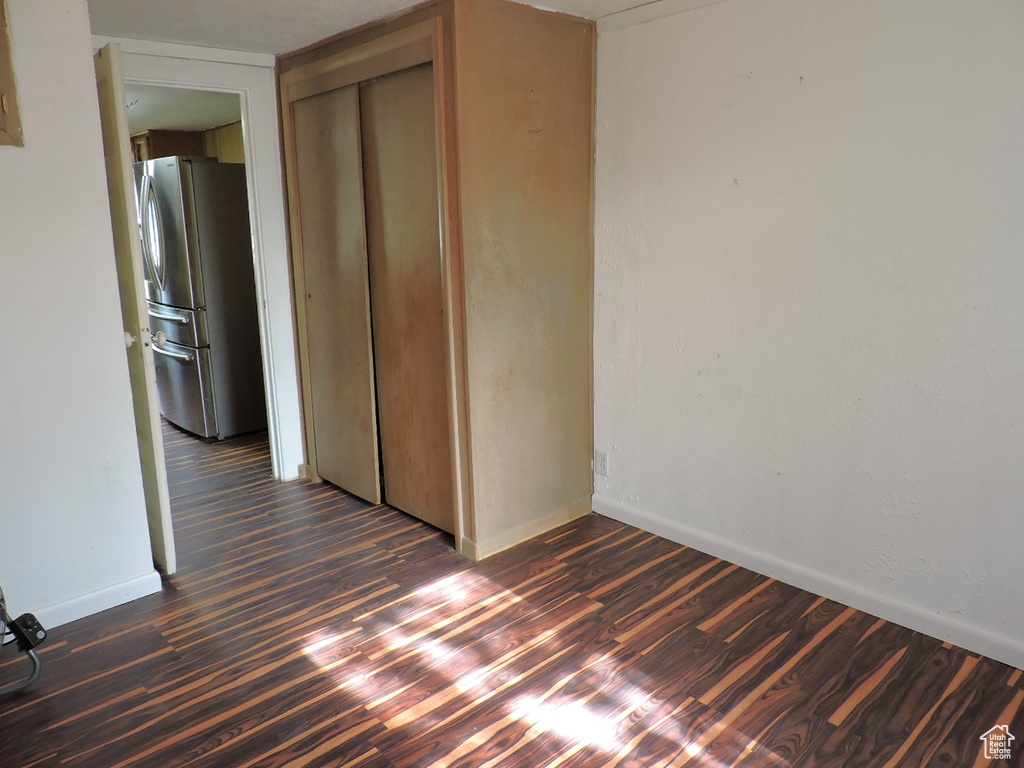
[{"x": 29, "y": 634}]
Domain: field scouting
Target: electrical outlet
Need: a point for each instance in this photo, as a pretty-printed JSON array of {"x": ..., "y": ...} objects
[{"x": 601, "y": 463}]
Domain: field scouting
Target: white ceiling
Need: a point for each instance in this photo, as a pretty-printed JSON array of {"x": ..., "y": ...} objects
[
  {"x": 270, "y": 26},
  {"x": 257, "y": 26},
  {"x": 178, "y": 109}
]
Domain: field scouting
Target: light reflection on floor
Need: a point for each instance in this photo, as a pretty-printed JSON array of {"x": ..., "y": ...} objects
[{"x": 419, "y": 628}]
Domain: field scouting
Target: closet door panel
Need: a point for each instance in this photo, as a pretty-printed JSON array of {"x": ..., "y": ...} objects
[
  {"x": 336, "y": 291},
  {"x": 404, "y": 245}
]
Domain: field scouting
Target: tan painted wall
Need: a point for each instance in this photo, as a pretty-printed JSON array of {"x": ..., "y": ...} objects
[{"x": 525, "y": 108}]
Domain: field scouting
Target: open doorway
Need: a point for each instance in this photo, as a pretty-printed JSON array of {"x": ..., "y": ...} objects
[
  {"x": 248, "y": 81},
  {"x": 191, "y": 194}
]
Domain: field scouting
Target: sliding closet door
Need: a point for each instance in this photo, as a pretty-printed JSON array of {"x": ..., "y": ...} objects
[
  {"x": 404, "y": 243},
  {"x": 338, "y": 346}
]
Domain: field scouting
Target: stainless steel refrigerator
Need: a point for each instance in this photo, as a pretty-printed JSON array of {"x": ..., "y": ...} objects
[{"x": 197, "y": 254}]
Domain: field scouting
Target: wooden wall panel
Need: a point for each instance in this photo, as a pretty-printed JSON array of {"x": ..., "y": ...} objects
[
  {"x": 404, "y": 246},
  {"x": 160, "y": 143},
  {"x": 225, "y": 143},
  {"x": 332, "y": 252},
  {"x": 525, "y": 110}
]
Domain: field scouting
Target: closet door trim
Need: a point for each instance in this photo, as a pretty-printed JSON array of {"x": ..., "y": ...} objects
[
  {"x": 417, "y": 44},
  {"x": 399, "y": 50}
]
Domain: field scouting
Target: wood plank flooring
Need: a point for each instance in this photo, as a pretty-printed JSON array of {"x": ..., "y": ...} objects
[{"x": 307, "y": 628}]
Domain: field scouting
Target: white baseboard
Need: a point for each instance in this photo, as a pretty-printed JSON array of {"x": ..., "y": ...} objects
[
  {"x": 94, "y": 602},
  {"x": 1007, "y": 650}
]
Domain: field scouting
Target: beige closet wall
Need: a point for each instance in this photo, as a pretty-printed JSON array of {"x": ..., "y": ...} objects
[{"x": 525, "y": 156}]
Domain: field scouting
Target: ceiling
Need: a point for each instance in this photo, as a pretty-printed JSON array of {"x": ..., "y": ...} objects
[
  {"x": 270, "y": 26},
  {"x": 178, "y": 109},
  {"x": 257, "y": 26}
]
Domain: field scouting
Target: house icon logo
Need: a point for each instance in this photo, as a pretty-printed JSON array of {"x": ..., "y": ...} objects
[{"x": 997, "y": 742}]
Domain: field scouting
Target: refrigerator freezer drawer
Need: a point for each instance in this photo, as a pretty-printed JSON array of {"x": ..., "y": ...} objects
[
  {"x": 182, "y": 326},
  {"x": 184, "y": 377}
]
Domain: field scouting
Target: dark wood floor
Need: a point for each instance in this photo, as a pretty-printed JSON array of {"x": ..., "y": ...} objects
[{"x": 306, "y": 628}]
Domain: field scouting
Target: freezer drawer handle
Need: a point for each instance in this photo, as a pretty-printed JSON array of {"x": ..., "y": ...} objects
[
  {"x": 184, "y": 357},
  {"x": 169, "y": 318}
]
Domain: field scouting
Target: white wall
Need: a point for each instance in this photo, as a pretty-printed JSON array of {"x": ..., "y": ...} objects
[
  {"x": 73, "y": 536},
  {"x": 810, "y": 298}
]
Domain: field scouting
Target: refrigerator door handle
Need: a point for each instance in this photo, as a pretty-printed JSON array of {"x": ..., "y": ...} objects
[
  {"x": 184, "y": 357},
  {"x": 169, "y": 318},
  {"x": 147, "y": 183},
  {"x": 152, "y": 233}
]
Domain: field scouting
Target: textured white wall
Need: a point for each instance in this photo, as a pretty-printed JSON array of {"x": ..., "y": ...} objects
[
  {"x": 810, "y": 298},
  {"x": 73, "y": 536}
]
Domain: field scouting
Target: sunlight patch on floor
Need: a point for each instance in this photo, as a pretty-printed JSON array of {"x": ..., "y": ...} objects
[
  {"x": 572, "y": 722},
  {"x": 416, "y": 637}
]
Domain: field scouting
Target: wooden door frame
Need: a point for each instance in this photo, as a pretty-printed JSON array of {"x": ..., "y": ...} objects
[
  {"x": 252, "y": 77},
  {"x": 416, "y": 44}
]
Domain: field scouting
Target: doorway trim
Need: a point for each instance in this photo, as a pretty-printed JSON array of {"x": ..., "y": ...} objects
[{"x": 252, "y": 77}]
